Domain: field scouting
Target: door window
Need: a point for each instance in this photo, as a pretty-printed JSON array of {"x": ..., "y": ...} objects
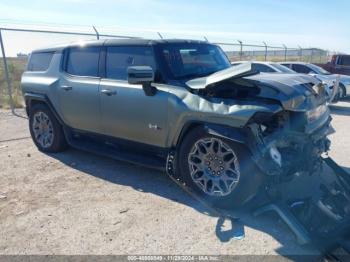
[
  {"x": 40, "y": 61},
  {"x": 119, "y": 58}
]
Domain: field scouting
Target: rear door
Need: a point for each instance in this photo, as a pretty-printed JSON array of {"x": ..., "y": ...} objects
[
  {"x": 126, "y": 112},
  {"x": 78, "y": 88}
]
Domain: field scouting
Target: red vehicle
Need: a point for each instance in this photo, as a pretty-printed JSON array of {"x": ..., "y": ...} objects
[{"x": 339, "y": 64}]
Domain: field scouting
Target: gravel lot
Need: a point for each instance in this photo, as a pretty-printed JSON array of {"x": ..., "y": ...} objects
[{"x": 78, "y": 203}]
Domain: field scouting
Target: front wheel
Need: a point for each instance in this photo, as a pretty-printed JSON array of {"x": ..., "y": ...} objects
[{"x": 221, "y": 170}]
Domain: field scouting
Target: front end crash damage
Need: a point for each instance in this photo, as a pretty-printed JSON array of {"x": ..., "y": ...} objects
[
  {"x": 281, "y": 141},
  {"x": 287, "y": 143},
  {"x": 310, "y": 195}
]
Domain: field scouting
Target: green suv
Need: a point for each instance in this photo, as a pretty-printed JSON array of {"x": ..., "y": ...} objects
[{"x": 179, "y": 106}]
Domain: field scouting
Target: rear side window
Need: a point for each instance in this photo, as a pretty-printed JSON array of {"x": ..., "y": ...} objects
[
  {"x": 119, "y": 58},
  {"x": 40, "y": 61},
  {"x": 82, "y": 61}
]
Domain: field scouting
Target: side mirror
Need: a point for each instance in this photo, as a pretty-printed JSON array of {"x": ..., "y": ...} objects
[{"x": 142, "y": 75}]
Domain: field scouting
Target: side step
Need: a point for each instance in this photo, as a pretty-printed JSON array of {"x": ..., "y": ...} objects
[{"x": 114, "y": 152}]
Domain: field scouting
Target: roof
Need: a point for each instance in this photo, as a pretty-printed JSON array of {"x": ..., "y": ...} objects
[
  {"x": 294, "y": 62},
  {"x": 254, "y": 62},
  {"x": 113, "y": 42}
]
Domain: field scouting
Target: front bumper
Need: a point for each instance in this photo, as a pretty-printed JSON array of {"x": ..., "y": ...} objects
[{"x": 289, "y": 152}]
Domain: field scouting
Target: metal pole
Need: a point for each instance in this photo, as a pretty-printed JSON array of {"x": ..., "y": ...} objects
[
  {"x": 300, "y": 53},
  {"x": 7, "y": 77},
  {"x": 265, "y": 51},
  {"x": 312, "y": 54},
  {"x": 206, "y": 39},
  {"x": 285, "y": 53},
  {"x": 97, "y": 34},
  {"x": 161, "y": 37},
  {"x": 241, "y": 49}
]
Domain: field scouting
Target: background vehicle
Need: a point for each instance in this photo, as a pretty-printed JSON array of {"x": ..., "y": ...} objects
[
  {"x": 144, "y": 101},
  {"x": 266, "y": 67},
  {"x": 323, "y": 75},
  {"x": 339, "y": 64}
]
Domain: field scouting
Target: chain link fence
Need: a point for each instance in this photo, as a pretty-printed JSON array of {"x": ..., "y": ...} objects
[{"x": 12, "y": 66}]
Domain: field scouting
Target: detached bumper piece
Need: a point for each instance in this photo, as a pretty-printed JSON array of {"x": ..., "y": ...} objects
[{"x": 316, "y": 208}]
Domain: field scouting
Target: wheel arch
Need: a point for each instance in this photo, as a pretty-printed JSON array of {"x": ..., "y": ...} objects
[
  {"x": 227, "y": 132},
  {"x": 32, "y": 99}
]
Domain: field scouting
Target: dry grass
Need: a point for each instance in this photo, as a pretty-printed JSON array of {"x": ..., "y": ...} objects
[{"x": 16, "y": 67}]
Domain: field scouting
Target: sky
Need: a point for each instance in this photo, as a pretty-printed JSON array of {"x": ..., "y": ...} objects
[{"x": 308, "y": 23}]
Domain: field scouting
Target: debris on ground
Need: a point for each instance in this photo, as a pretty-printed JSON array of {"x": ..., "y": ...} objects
[{"x": 124, "y": 210}]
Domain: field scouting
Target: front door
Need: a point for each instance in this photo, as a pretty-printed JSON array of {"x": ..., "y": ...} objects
[{"x": 126, "y": 112}]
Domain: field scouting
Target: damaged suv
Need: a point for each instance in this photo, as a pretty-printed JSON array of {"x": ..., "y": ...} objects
[{"x": 228, "y": 130}]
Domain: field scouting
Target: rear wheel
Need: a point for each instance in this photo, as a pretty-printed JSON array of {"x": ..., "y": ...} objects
[
  {"x": 45, "y": 130},
  {"x": 221, "y": 170}
]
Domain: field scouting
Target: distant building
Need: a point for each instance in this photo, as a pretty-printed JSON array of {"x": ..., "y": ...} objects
[{"x": 22, "y": 55}]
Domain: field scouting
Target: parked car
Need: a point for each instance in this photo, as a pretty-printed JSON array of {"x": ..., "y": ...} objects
[
  {"x": 266, "y": 67},
  {"x": 323, "y": 75},
  {"x": 177, "y": 105},
  {"x": 339, "y": 64}
]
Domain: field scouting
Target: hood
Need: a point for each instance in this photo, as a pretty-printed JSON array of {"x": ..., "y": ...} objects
[
  {"x": 233, "y": 72},
  {"x": 297, "y": 92}
]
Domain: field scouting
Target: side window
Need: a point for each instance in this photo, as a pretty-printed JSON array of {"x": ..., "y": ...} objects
[
  {"x": 302, "y": 69},
  {"x": 287, "y": 65},
  {"x": 119, "y": 58},
  {"x": 345, "y": 60},
  {"x": 262, "y": 68},
  {"x": 82, "y": 61},
  {"x": 39, "y": 61}
]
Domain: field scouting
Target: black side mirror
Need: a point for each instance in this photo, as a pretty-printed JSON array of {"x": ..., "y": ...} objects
[{"x": 142, "y": 75}]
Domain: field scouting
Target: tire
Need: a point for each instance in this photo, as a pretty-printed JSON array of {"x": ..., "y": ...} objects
[
  {"x": 342, "y": 91},
  {"x": 45, "y": 130},
  {"x": 249, "y": 179}
]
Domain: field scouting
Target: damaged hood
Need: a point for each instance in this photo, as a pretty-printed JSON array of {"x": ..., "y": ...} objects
[
  {"x": 297, "y": 92},
  {"x": 233, "y": 72}
]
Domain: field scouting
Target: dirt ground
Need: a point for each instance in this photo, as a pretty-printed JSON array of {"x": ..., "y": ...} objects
[{"x": 79, "y": 203}]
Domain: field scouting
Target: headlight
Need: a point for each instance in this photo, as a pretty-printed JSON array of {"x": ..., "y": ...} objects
[{"x": 316, "y": 113}]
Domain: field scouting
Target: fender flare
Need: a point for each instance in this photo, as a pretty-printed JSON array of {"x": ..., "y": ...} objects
[
  {"x": 30, "y": 97},
  {"x": 227, "y": 132}
]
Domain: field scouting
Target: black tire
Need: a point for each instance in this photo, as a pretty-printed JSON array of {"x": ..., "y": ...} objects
[
  {"x": 342, "y": 87},
  {"x": 59, "y": 142},
  {"x": 250, "y": 181}
]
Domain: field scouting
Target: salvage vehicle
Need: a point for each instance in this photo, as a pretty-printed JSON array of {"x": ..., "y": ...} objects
[
  {"x": 228, "y": 131},
  {"x": 339, "y": 64},
  {"x": 323, "y": 75},
  {"x": 266, "y": 67}
]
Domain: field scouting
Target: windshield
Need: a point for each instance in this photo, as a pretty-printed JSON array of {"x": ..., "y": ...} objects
[
  {"x": 318, "y": 70},
  {"x": 282, "y": 68},
  {"x": 185, "y": 61}
]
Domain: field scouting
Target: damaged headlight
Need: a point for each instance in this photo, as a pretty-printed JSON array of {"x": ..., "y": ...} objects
[{"x": 316, "y": 113}]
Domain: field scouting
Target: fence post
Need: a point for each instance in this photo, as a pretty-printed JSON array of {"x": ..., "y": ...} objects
[
  {"x": 161, "y": 37},
  {"x": 206, "y": 39},
  {"x": 7, "y": 77},
  {"x": 285, "y": 53},
  {"x": 240, "y": 49},
  {"x": 300, "y": 53},
  {"x": 312, "y": 54},
  {"x": 97, "y": 34},
  {"x": 265, "y": 51}
]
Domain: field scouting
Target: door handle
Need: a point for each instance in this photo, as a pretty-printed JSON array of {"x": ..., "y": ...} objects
[
  {"x": 67, "y": 88},
  {"x": 108, "y": 92}
]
